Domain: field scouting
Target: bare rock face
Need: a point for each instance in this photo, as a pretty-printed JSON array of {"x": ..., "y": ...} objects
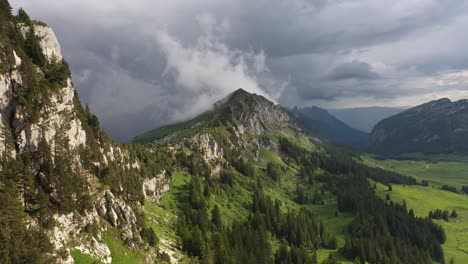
[
  {"x": 98, "y": 250},
  {"x": 49, "y": 42},
  {"x": 68, "y": 228},
  {"x": 156, "y": 187},
  {"x": 120, "y": 215},
  {"x": 209, "y": 147},
  {"x": 59, "y": 115},
  {"x": 263, "y": 116},
  {"x": 8, "y": 82}
]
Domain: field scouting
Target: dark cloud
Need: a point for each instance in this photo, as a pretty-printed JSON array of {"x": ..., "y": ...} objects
[
  {"x": 353, "y": 70},
  {"x": 144, "y": 63}
]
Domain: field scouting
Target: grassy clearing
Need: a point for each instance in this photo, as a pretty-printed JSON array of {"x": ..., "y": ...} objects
[
  {"x": 438, "y": 170},
  {"x": 161, "y": 216},
  {"x": 189, "y": 126},
  {"x": 234, "y": 201},
  {"x": 81, "y": 258},
  {"x": 435, "y": 157},
  {"x": 423, "y": 199},
  {"x": 335, "y": 224},
  {"x": 121, "y": 253}
]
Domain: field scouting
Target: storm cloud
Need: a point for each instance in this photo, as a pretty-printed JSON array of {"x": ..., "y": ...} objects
[
  {"x": 354, "y": 70},
  {"x": 142, "y": 64}
]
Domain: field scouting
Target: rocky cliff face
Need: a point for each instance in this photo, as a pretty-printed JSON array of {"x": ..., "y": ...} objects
[
  {"x": 56, "y": 122},
  {"x": 435, "y": 127},
  {"x": 58, "y": 114},
  {"x": 256, "y": 113},
  {"x": 120, "y": 215},
  {"x": 8, "y": 82},
  {"x": 154, "y": 188}
]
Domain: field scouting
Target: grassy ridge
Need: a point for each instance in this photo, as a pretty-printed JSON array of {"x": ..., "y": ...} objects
[{"x": 171, "y": 130}]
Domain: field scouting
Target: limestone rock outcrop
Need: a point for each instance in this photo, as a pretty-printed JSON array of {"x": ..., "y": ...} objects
[
  {"x": 120, "y": 215},
  {"x": 154, "y": 188}
]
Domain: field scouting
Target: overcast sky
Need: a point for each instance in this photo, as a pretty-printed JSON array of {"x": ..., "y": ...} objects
[{"x": 144, "y": 63}]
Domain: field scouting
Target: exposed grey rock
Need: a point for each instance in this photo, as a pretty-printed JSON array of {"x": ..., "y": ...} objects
[
  {"x": 59, "y": 115},
  {"x": 120, "y": 215},
  {"x": 49, "y": 43},
  {"x": 68, "y": 229},
  {"x": 154, "y": 188},
  {"x": 209, "y": 147},
  {"x": 97, "y": 250}
]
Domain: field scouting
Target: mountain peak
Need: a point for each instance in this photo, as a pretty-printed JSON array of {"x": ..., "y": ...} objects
[
  {"x": 253, "y": 112},
  {"x": 244, "y": 99},
  {"x": 241, "y": 94},
  {"x": 240, "y": 91},
  {"x": 441, "y": 101},
  {"x": 444, "y": 100}
]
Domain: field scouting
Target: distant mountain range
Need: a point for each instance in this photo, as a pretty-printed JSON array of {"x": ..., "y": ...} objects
[
  {"x": 439, "y": 126},
  {"x": 328, "y": 127},
  {"x": 364, "y": 118}
]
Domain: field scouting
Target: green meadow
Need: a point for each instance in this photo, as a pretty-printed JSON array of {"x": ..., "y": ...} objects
[
  {"x": 437, "y": 169},
  {"x": 451, "y": 170}
]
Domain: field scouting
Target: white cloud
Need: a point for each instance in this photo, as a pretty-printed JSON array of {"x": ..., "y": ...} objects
[{"x": 210, "y": 70}]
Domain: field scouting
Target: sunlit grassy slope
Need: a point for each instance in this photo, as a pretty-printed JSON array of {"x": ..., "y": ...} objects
[
  {"x": 449, "y": 170},
  {"x": 235, "y": 201},
  {"x": 120, "y": 253}
]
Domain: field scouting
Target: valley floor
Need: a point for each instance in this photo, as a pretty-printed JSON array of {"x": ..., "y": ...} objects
[{"x": 453, "y": 171}]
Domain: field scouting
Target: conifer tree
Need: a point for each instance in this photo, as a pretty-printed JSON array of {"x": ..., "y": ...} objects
[{"x": 216, "y": 218}]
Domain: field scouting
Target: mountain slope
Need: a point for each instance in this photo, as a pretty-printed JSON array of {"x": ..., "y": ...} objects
[
  {"x": 65, "y": 186},
  {"x": 439, "y": 126},
  {"x": 328, "y": 127},
  {"x": 248, "y": 164},
  {"x": 364, "y": 118}
]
